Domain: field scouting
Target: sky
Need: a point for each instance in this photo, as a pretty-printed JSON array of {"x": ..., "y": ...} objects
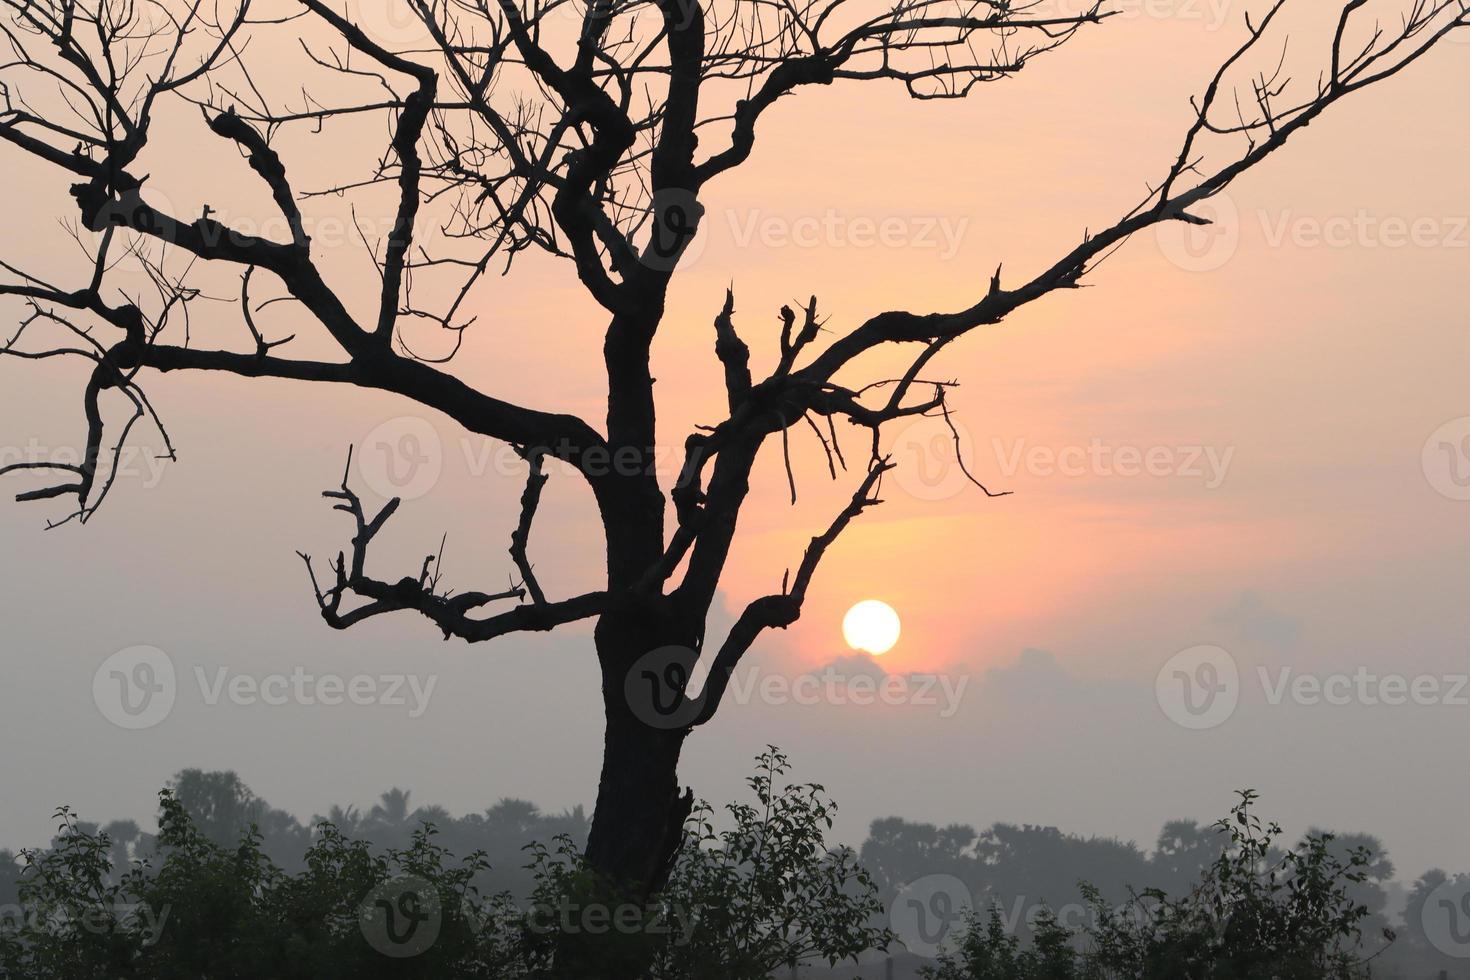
[{"x": 1238, "y": 458}]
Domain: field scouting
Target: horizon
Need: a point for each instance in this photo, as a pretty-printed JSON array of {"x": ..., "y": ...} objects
[{"x": 1197, "y": 527}]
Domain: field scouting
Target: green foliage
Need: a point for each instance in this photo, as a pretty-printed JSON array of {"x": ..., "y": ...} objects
[
  {"x": 754, "y": 889},
  {"x": 989, "y": 951},
  {"x": 1256, "y": 912},
  {"x": 767, "y": 892},
  {"x": 226, "y": 912},
  {"x": 738, "y": 903}
]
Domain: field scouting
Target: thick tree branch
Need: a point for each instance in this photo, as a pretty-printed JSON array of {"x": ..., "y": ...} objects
[
  {"x": 420, "y": 593},
  {"x": 784, "y": 608}
]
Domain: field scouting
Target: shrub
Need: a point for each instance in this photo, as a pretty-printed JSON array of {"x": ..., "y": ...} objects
[
  {"x": 1256, "y": 912},
  {"x": 738, "y": 903}
]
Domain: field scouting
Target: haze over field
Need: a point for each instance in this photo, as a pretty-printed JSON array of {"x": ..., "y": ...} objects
[{"x": 1250, "y": 437}]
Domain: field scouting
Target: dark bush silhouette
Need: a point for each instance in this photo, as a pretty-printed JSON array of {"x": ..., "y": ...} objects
[
  {"x": 1256, "y": 913},
  {"x": 757, "y": 888},
  {"x": 765, "y": 891}
]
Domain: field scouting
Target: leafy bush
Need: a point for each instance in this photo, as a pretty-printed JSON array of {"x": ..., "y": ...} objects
[
  {"x": 768, "y": 892},
  {"x": 990, "y": 951},
  {"x": 739, "y": 902},
  {"x": 212, "y": 911},
  {"x": 1257, "y": 912}
]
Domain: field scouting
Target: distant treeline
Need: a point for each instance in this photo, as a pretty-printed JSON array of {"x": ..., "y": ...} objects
[
  {"x": 1017, "y": 871},
  {"x": 223, "y": 808}
]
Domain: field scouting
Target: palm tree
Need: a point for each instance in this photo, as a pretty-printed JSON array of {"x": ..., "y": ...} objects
[{"x": 393, "y": 810}]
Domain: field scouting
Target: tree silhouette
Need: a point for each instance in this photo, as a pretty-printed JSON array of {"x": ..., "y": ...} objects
[
  {"x": 1183, "y": 851},
  {"x": 224, "y": 810},
  {"x": 899, "y": 851},
  {"x": 393, "y": 810},
  {"x": 588, "y": 131},
  {"x": 1376, "y": 871},
  {"x": 127, "y": 840},
  {"x": 9, "y": 879}
]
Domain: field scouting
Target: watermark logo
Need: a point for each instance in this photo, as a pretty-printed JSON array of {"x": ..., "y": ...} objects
[
  {"x": 655, "y": 686},
  {"x": 1202, "y": 247},
  {"x": 1446, "y": 917},
  {"x": 943, "y": 236},
  {"x": 675, "y": 233},
  {"x": 929, "y": 912},
  {"x": 330, "y": 690},
  {"x": 401, "y": 458},
  {"x": 401, "y": 917},
  {"x": 1199, "y": 688},
  {"x": 839, "y": 686},
  {"x": 100, "y": 919},
  {"x": 674, "y": 923},
  {"x": 1213, "y": 14},
  {"x": 138, "y": 688},
  {"x": 1364, "y": 687},
  {"x": 929, "y": 455},
  {"x": 1446, "y": 459},
  {"x": 1365, "y": 229},
  {"x": 388, "y": 22},
  {"x": 1209, "y": 465},
  {"x": 144, "y": 465},
  {"x": 135, "y": 688}
]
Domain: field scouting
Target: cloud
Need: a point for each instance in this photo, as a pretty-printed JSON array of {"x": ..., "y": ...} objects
[
  {"x": 1253, "y": 621},
  {"x": 852, "y": 665},
  {"x": 1035, "y": 675}
]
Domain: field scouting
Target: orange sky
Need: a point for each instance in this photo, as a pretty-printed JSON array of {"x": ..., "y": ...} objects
[{"x": 1317, "y": 369}]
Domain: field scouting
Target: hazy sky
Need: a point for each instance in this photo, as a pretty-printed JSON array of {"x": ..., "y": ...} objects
[{"x": 1233, "y": 439}]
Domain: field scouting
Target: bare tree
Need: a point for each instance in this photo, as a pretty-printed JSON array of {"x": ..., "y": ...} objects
[{"x": 588, "y": 130}]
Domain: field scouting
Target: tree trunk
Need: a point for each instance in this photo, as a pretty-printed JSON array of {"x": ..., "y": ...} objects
[{"x": 640, "y": 812}]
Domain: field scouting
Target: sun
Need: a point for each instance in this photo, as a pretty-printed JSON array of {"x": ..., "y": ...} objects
[{"x": 871, "y": 626}]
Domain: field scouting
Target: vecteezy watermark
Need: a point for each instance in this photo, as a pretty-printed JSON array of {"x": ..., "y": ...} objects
[
  {"x": 568, "y": 918},
  {"x": 102, "y": 919},
  {"x": 932, "y": 455},
  {"x": 1446, "y": 917},
  {"x": 1207, "y": 247},
  {"x": 660, "y": 688},
  {"x": 1198, "y": 688},
  {"x": 594, "y": 460},
  {"x": 666, "y": 688},
  {"x": 836, "y": 686},
  {"x": 327, "y": 231},
  {"x": 1208, "y": 464},
  {"x": 1214, "y": 14},
  {"x": 1446, "y": 459},
  {"x": 675, "y": 233},
  {"x": 331, "y": 690},
  {"x": 388, "y": 22},
  {"x": 137, "y": 688},
  {"x": 1210, "y": 244},
  {"x": 929, "y": 912},
  {"x": 1020, "y": 914},
  {"x": 401, "y": 917},
  {"x": 937, "y": 460},
  {"x": 833, "y": 229},
  {"x": 402, "y": 458},
  {"x": 1364, "y": 687},
  {"x": 130, "y": 462},
  {"x": 1365, "y": 229}
]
